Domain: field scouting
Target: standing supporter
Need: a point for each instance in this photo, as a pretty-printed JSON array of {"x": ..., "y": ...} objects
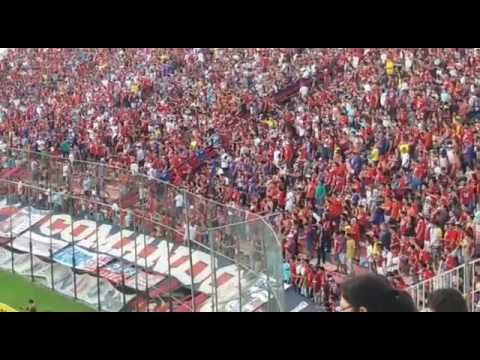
[
  {"x": 350, "y": 253},
  {"x": 319, "y": 284}
]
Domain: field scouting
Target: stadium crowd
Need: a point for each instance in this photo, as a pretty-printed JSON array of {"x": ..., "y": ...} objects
[{"x": 369, "y": 156}]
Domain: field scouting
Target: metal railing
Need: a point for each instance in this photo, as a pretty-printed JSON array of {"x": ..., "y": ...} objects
[
  {"x": 465, "y": 278},
  {"x": 152, "y": 245}
]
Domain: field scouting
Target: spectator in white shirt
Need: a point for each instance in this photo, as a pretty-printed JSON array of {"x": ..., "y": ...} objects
[
  {"x": 134, "y": 169},
  {"x": 303, "y": 91},
  {"x": 190, "y": 230},
  {"x": 65, "y": 172}
]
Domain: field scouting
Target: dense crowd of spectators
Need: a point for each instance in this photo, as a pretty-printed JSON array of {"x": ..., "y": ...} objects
[{"x": 369, "y": 156}]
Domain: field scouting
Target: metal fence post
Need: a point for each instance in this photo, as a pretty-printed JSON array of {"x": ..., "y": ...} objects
[
  {"x": 466, "y": 280},
  {"x": 473, "y": 288},
  {"x": 213, "y": 273},
  {"x": 99, "y": 299},
  {"x": 11, "y": 242},
  {"x": 237, "y": 264},
  {"x": 269, "y": 288},
  {"x": 169, "y": 238},
  {"x": 189, "y": 242},
  {"x": 423, "y": 295},
  {"x": 146, "y": 274},
  {"x": 122, "y": 263},
  {"x": 73, "y": 251},
  {"x": 30, "y": 246},
  {"x": 51, "y": 247},
  {"x": 136, "y": 268}
]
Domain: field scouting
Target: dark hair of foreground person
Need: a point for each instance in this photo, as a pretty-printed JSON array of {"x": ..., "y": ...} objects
[
  {"x": 447, "y": 300},
  {"x": 374, "y": 293}
]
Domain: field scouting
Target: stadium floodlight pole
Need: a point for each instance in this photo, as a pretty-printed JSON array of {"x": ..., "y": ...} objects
[
  {"x": 99, "y": 300},
  {"x": 189, "y": 241},
  {"x": 72, "y": 211}
]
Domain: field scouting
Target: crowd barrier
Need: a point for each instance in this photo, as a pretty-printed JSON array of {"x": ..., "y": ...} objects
[
  {"x": 119, "y": 241},
  {"x": 465, "y": 278}
]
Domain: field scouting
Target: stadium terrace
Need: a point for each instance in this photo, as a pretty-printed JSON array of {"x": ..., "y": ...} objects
[{"x": 253, "y": 166}]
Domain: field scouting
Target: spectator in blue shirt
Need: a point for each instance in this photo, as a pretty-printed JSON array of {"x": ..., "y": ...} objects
[
  {"x": 378, "y": 216},
  {"x": 469, "y": 155},
  {"x": 356, "y": 163},
  {"x": 287, "y": 273},
  {"x": 386, "y": 237}
]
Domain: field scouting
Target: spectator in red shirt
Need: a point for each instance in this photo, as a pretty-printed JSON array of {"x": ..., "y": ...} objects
[
  {"x": 318, "y": 284},
  {"x": 335, "y": 208}
]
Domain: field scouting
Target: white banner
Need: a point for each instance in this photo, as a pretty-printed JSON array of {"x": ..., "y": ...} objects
[
  {"x": 41, "y": 245},
  {"x": 20, "y": 221},
  {"x": 300, "y": 307},
  {"x": 140, "y": 280}
]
